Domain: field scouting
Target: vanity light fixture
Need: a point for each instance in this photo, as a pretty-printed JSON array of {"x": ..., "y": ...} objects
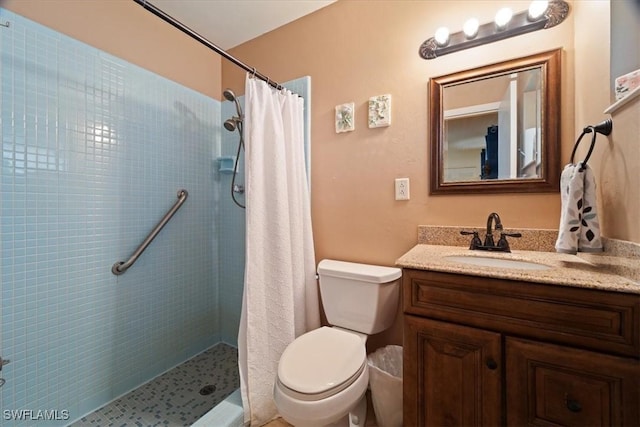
[
  {"x": 537, "y": 9},
  {"x": 442, "y": 36},
  {"x": 503, "y": 17},
  {"x": 470, "y": 28},
  {"x": 541, "y": 14}
]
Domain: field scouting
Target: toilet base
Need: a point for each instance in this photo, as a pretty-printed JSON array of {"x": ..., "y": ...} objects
[
  {"x": 358, "y": 415},
  {"x": 355, "y": 418},
  {"x": 351, "y": 400}
]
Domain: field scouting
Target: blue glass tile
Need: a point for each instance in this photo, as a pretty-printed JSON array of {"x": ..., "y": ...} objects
[{"x": 94, "y": 152}]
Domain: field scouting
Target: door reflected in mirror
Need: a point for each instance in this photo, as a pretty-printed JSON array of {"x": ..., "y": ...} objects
[{"x": 496, "y": 128}]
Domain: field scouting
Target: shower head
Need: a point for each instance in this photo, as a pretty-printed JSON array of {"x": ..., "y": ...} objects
[
  {"x": 233, "y": 123},
  {"x": 230, "y": 125},
  {"x": 230, "y": 96}
]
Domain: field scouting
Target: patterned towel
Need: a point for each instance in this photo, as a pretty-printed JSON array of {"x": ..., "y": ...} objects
[{"x": 579, "y": 227}]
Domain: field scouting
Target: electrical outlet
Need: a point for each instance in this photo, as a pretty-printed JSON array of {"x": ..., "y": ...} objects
[{"x": 402, "y": 188}]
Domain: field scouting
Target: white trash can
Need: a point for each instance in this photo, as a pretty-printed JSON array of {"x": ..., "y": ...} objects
[{"x": 385, "y": 380}]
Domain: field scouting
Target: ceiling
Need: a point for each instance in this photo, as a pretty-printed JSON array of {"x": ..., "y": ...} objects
[{"x": 229, "y": 23}]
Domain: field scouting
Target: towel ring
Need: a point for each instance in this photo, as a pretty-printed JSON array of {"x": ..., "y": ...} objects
[
  {"x": 603, "y": 128},
  {"x": 586, "y": 130}
]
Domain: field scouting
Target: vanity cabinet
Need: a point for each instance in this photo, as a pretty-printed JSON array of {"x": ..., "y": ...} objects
[{"x": 488, "y": 352}]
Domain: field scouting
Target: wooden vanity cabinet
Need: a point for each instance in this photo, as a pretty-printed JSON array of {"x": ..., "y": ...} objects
[
  {"x": 446, "y": 378},
  {"x": 490, "y": 352}
]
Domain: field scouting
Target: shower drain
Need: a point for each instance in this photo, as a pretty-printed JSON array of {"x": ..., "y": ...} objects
[{"x": 208, "y": 389}]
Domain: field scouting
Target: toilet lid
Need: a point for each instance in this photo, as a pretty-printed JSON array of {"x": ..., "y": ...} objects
[{"x": 321, "y": 360}]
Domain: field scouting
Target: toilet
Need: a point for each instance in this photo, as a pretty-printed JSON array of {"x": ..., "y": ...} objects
[{"x": 323, "y": 374}]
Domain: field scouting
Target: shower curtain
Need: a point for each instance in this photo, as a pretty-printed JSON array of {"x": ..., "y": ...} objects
[{"x": 280, "y": 300}]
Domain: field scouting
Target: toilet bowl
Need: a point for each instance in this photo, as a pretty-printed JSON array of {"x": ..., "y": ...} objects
[{"x": 323, "y": 374}]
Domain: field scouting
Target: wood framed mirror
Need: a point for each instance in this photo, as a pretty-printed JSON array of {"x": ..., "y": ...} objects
[{"x": 496, "y": 128}]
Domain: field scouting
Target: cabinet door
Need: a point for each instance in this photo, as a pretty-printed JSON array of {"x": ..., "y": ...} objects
[
  {"x": 452, "y": 374},
  {"x": 549, "y": 385}
]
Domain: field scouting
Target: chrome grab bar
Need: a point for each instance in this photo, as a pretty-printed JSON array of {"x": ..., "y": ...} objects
[{"x": 120, "y": 267}]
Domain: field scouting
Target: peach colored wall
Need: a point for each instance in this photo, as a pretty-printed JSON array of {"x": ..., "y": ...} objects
[
  {"x": 616, "y": 159},
  {"x": 618, "y": 171},
  {"x": 126, "y": 30},
  {"x": 357, "y": 49}
]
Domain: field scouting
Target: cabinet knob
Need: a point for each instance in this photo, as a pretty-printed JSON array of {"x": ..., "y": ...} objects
[
  {"x": 491, "y": 364},
  {"x": 573, "y": 405}
]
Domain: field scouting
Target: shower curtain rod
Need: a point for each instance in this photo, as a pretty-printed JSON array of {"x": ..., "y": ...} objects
[{"x": 167, "y": 18}]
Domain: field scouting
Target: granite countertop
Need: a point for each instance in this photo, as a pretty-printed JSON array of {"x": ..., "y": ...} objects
[{"x": 594, "y": 271}]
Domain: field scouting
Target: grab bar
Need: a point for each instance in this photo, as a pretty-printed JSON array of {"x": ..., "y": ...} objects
[{"x": 120, "y": 267}]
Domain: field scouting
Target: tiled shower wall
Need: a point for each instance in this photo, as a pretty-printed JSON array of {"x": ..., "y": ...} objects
[
  {"x": 94, "y": 151},
  {"x": 232, "y": 233}
]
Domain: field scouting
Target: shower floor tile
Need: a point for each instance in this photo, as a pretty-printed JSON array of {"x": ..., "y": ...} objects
[{"x": 173, "y": 398}]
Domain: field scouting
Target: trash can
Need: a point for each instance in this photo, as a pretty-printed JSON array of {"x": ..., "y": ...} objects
[{"x": 385, "y": 381}]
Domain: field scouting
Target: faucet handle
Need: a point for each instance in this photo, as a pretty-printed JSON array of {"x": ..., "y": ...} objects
[
  {"x": 503, "y": 244},
  {"x": 475, "y": 240},
  {"x": 510, "y": 235}
]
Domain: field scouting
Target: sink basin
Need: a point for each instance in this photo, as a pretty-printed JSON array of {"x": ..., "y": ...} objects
[{"x": 497, "y": 262}]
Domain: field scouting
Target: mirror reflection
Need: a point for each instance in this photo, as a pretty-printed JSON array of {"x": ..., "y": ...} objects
[
  {"x": 492, "y": 128},
  {"x": 496, "y": 128}
]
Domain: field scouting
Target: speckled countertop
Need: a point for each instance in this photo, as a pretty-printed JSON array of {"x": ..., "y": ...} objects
[{"x": 613, "y": 271}]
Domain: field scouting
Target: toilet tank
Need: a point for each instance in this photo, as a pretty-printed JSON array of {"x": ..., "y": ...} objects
[{"x": 359, "y": 297}]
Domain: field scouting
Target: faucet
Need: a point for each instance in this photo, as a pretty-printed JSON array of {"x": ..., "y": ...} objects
[
  {"x": 493, "y": 224},
  {"x": 488, "y": 238}
]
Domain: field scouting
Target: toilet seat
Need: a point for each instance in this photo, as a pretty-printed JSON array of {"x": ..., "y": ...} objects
[
  {"x": 321, "y": 363},
  {"x": 319, "y": 396}
]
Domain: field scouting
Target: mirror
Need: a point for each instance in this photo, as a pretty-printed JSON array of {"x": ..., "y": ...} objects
[{"x": 496, "y": 129}]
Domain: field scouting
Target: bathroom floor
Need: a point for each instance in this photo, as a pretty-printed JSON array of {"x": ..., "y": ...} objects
[{"x": 174, "y": 398}]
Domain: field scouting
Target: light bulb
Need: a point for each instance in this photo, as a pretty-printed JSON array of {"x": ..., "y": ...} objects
[
  {"x": 503, "y": 17},
  {"x": 537, "y": 9},
  {"x": 442, "y": 36},
  {"x": 470, "y": 28}
]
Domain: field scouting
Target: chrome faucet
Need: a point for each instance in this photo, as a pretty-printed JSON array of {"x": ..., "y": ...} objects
[{"x": 493, "y": 224}]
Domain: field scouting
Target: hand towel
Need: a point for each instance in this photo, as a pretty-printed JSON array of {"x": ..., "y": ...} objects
[
  {"x": 589, "y": 240},
  {"x": 579, "y": 229}
]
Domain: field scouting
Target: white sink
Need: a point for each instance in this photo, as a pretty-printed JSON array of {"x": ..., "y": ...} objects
[{"x": 497, "y": 262}]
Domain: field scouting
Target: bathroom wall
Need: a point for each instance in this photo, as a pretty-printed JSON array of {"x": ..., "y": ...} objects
[
  {"x": 128, "y": 31},
  {"x": 355, "y": 50},
  {"x": 625, "y": 33},
  {"x": 618, "y": 174},
  {"x": 94, "y": 151},
  {"x": 232, "y": 235},
  {"x": 615, "y": 159}
]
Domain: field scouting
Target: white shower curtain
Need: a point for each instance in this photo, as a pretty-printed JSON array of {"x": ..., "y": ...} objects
[{"x": 280, "y": 299}]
